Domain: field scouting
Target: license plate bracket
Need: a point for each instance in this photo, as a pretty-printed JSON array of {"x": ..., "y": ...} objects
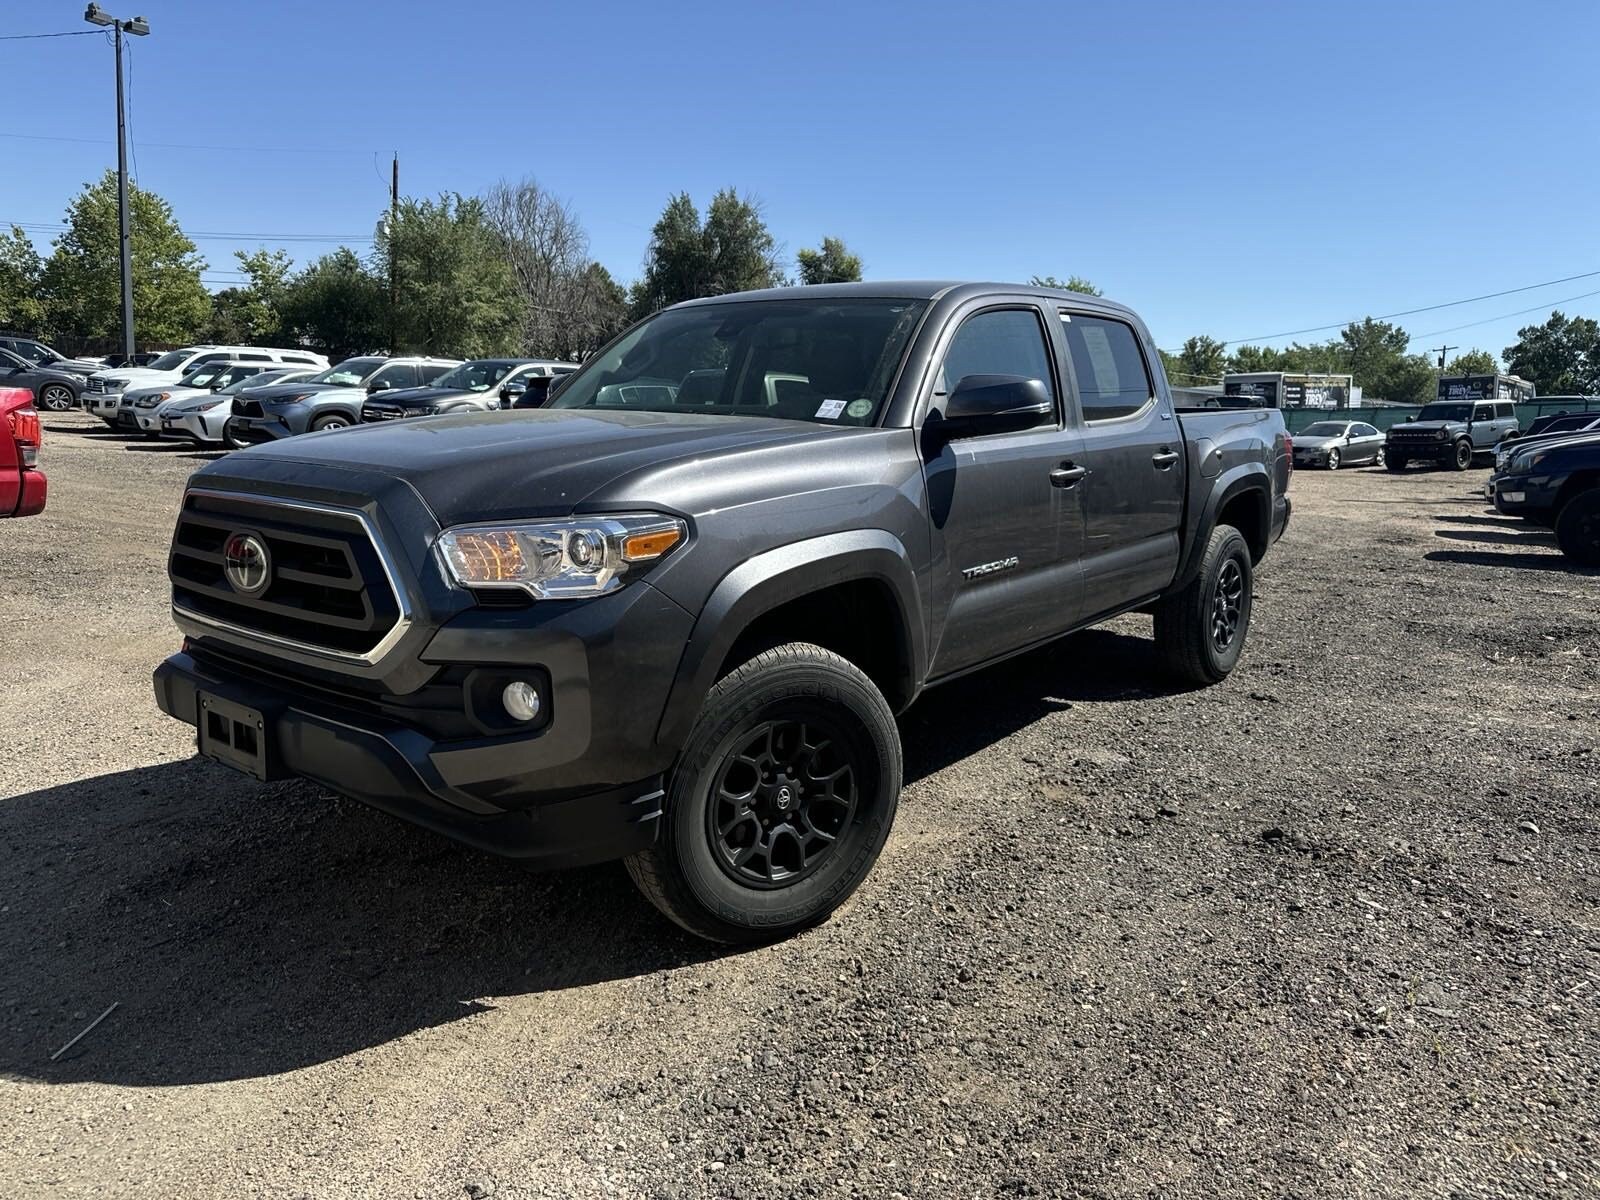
[{"x": 236, "y": 735}]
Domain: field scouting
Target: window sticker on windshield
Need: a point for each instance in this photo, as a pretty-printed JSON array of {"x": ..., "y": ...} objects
[
  {"x": 859, "y": 408},
  {"x": 830, "y": 410},
  {"x": 1101, "y": 357}
]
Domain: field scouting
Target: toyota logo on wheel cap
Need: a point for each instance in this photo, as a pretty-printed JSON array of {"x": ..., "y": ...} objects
[{"x": 246, "y": 563}]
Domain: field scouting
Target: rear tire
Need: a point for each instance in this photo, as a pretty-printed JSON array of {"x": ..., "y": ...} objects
[
  {"x": 1378, "y": 458},
  {"x": 780, "y": 801},
  {"x": 1578, "y": 528},
  {"x": 1460, "y": 456},
  {"x": 1200, "y": 631}
]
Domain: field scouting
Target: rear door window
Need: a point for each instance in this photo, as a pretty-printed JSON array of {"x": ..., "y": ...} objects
[
  {"x": 1107, "y": 365},
  {"x": 1506, "y": 409},
  {"x": 432, "y": 371}
]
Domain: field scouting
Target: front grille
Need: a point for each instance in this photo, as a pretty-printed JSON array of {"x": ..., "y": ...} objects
[
  {"x": 381, "y": 412},
  {"x": 327, "y": 588},
  {"x": 248, "y": 408},
  {"x": 97, "y": 385}
]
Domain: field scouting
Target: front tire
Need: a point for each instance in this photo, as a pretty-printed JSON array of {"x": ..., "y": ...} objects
[
  {"x": 1461, "y": 456},
  {"x": 1578, "y": 528},
  {"x": 57, "y": 397},
  {"x": 1396, "y": 462},
  {"x": 780, "y": 802},
  {"x": 1200, "y": 631},
  {"x": 331, "y": 421},
  {"x": 1333, "y": 459}
]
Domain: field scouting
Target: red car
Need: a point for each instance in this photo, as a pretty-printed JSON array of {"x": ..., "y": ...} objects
[{"x": 22, "y": 484}]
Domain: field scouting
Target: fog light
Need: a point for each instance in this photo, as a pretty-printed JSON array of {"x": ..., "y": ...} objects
[
  {"x": 521, "y": 701},
  {"x": 1513, "y": 497}
]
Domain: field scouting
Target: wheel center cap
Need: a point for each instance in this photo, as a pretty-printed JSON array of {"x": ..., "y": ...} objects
[{"x": 784, "y": 798}]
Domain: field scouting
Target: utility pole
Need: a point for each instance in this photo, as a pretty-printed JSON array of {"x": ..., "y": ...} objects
[
  {"x": 1442, "y": 351},
  {"x": 394, "y": 266},
  {"x": 139, "y": 27}
]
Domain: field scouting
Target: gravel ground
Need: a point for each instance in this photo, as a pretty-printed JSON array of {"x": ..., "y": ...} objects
[{"x": 1331, "y": 928}]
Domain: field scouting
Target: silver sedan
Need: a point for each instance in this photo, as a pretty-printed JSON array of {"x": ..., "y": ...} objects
[{"x": 1335, "y": 444}]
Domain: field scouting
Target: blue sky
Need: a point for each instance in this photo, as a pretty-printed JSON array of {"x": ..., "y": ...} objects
[{"x": 1232, "y": 169}]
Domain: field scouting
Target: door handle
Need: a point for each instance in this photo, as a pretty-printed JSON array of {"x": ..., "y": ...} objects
[
  {"x": 1067, "y": 475},
  {"x": 1164, "y": 459}
]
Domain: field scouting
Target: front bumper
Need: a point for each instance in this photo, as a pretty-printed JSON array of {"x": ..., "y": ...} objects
[
  {"x": 1524, "y": 495},
  {"x": 1430, "y": 449},
  {"x": 399, "y": 770},
  {"x": 203, "y": 427},
  {"x": 273, "y": 427}
]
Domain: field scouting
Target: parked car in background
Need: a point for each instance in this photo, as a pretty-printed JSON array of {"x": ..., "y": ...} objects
[
  {"x": 1335, "y": 444},
  {"x": 202, "y": 417},
  {"x": 330, "y": 400},
  {"x": 1567, "y": 427},
  {"x": 1451, "y": 433},
  {"x": 22, "y": 483},
  {"x": 40, "y": 355},
  {"x": 103, "y": 394},
  {"x": 52, "y": 390},
  {"x": 142, "y": 358},
  {"x": 148, "y": 404},
  {"x": 481, "y": 385},
  {"x": 1557, "y": 484}
]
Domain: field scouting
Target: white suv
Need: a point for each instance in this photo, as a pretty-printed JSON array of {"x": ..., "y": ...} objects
[{"x": 103, "y": 393}]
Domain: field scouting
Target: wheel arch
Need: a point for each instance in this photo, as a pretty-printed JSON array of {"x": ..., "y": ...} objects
[
  {"x": 1242, "y": 498},
  {"x": 854, "y": 593}
]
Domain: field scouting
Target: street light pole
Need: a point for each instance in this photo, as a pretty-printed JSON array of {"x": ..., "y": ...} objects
[{"x": 95, "y": 15}]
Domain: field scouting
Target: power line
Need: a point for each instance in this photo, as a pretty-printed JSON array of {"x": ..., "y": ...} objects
[
  {"x": 43, "y": 137},
  {"x": 1267, "y": 337},
  {"x": 24, "y": 37},
  {"x": 1521, "y": 312}
]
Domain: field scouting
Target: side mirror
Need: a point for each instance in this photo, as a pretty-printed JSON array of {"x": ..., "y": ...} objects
[
  {"x": 1411, "y": 417},
  {"x": 379, "y": 385},
  {"x": 982, "y": 404},
  {"x": 515, "y": 388}
]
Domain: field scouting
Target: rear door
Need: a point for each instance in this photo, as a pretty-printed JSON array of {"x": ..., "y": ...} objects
[
  {"x": 1132, "y": 499},
  {"x": 1005, "y": 532},
  {"x": 1484, "y": 434}
]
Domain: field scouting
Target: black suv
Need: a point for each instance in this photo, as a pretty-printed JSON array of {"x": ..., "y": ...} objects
[{"x": 1557, "y": 483}]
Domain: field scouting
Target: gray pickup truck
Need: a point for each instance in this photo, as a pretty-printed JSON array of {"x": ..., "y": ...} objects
[{"x": 671, "y": 618}]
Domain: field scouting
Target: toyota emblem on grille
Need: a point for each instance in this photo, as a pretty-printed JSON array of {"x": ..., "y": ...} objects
[{"x": 246, "y": 563}]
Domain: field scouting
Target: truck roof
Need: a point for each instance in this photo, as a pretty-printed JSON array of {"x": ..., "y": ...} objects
[{"x": 910, "y": 289}]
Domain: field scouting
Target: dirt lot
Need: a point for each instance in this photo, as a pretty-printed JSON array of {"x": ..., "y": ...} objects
[{"x": 1332, "y": 928}]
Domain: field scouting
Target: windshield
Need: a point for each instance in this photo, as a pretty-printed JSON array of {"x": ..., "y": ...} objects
[
  {"x": 1445, "y": 412},
  {"x": 258, "y": 380},
  {"x": 172, "y": 360},
  {"x": 1323, "y": 429},
  {"x": 349, "y": 373},
  {"x": 204, "y": 376},
  {"x": 477, "y": 376},
  {"x": 830, "y": 361}
]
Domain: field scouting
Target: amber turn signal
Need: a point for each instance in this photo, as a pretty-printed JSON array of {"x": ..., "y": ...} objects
[{"x": 641, "y": 547}]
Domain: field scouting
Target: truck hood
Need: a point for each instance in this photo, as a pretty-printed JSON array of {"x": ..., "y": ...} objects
[
  {"x": 423, "y": 397},
  {"x": 1425, "y": 427},
  {"x": 543, "y": 462}
]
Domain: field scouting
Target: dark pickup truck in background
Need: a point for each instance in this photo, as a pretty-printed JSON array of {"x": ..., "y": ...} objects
[{"x": 671, "y": 617}]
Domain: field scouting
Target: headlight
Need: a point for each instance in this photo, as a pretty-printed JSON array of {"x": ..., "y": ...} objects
[
  {"x": 189, "y": 409},
  {"x": 152, "y": 401},
  {"x": 1441, "y": 434},
  {"x": 555, "y": 560},
  {"x": 1535, "y": 460}
]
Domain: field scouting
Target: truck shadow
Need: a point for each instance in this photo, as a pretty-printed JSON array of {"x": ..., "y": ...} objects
[
  {"x": 247, "y": 930},
  {"x": 1526, "y": 562},
  {"x": 1515, "y": 535}
]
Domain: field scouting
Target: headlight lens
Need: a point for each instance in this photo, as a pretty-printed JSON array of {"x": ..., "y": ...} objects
[
  {"x": 1535, "y": 460},
  {"x": 558, "y": 560},
  {"x": 1441, "y": 434},
  {"x": 207, "y": 406}
]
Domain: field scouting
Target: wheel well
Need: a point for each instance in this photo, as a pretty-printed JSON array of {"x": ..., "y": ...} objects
[
  {"x": 858, "y": 620},
  {"x": 1581, "y": 481},
  {"x": 1247, "y": 513}
]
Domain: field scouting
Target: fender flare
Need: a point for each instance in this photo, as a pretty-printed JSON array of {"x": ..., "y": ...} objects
[
  {"x": 762, "y": 583},
  {"x": 1231, "y": 484}
]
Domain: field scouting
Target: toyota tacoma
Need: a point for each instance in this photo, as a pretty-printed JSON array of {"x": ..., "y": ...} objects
[{"x": 671, "y": 617}]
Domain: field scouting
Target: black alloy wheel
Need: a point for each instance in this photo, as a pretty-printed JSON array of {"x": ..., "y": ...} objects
[
  {"x": 781, "y": 800},
  {"x": 1227, "y": 605}
]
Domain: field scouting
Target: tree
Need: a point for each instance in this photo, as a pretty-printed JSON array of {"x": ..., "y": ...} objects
[
  {"x": 733, "y": 251},
  {"x": 336, "y": 305},
  {"x": 82, "y": 279},
  {"x": 832, "y": 263},
  {"x": 1473, "y": 362},
  {"x": 1074, "y": 283},
  {"x": 1246, "y": 360},
  {"x": 1201, "y": 361},
  {"x": 1560, "y": 357},
  {"x": 251, "y": 315},
  {"x": 21, "y": 277},
  {"x": 570, "y": 305},
  {"x": 457, "y": 293}
]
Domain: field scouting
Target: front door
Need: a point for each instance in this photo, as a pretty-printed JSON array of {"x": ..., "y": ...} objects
[
  {"x": 1132, "y": 498},
  {"x": 1005, "y": 533}
]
